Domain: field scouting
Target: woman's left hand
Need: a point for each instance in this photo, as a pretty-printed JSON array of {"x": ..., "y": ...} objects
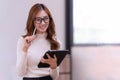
[{"x": 51, "y": 61}]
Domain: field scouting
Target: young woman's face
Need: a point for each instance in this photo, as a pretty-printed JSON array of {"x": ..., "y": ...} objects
[{"x": 41, "y": 21}]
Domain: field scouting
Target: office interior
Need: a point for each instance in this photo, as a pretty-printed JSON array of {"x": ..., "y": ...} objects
[{"x": 86, "y": 61}]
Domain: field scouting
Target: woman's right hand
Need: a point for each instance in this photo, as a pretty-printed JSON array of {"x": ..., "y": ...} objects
[{"x": 27, "y": 43}]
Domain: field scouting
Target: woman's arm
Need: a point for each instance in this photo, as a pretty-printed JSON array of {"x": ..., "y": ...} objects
[
  {"x": 21, "y": 64},
  {"x": 54, "y": 73}
]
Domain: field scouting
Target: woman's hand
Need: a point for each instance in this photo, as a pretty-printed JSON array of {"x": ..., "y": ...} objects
[
  {"x": 28, "y": 41},
  {"x": 51, "y": 61}
]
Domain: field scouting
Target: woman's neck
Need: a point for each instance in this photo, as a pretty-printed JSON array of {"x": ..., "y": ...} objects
[{"x": 41, "y": 34}]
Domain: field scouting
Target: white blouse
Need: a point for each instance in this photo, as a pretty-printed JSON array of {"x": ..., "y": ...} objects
[{"x": 27, "y": 64}]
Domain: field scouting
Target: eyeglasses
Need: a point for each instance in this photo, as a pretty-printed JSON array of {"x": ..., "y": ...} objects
[{"x": 39, "y": 20}]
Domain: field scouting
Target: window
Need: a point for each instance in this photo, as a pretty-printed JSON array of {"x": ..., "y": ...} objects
[{"x": 96, "y": 22}]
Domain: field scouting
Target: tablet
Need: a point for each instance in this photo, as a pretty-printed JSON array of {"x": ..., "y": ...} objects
[{"x": 60, "y": 54}]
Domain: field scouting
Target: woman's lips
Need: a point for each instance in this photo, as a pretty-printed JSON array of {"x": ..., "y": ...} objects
[{"x": 42, "y": 27}]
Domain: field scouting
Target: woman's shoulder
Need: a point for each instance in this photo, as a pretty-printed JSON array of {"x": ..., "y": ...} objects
[
  {"x": 20, "y": 39},
  {"x": 57, "y": 39},
  {"x": 60, "y": 43}
]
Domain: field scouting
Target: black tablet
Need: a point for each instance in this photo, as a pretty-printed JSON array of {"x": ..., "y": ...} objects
[{"x": 60, "y": 54}]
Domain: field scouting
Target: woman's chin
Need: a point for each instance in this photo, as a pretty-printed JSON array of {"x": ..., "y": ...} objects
[{"x": 42, "y": 31}]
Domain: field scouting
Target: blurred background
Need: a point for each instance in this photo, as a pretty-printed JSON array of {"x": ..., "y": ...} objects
[
  {"x": 13, "y": 16},
  {"x": 88, "y": 28}
]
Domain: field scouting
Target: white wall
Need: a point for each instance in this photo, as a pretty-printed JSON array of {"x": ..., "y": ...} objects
[
  {"x": 96, "y": 63},
  {"x": 13, "y": 15}
]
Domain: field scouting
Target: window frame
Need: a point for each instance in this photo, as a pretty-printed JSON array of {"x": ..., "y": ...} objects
[
  {"x": 70, "y": 32},
  {"x": 69, "y": 24}
]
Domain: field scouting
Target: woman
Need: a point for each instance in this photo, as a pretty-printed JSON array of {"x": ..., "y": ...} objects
[{"x": 39, "y": 38}]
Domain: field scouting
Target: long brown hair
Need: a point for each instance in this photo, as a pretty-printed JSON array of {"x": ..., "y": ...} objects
[{"x": 51, "y": 33}]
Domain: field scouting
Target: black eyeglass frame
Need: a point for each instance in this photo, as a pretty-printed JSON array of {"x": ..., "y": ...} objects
[{"x": 39, "y": 20}]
